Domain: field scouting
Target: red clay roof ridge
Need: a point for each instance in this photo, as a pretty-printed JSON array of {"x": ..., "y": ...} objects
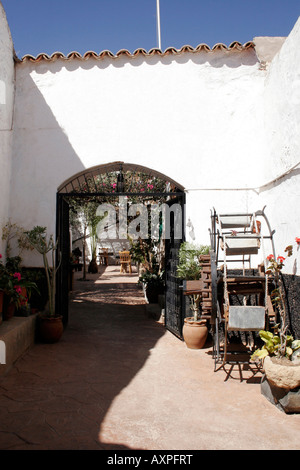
[{"x": 236, "y": 46}]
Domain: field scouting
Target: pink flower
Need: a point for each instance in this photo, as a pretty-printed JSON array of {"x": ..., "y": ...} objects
[
  {"x": 270, "y": 257},
  {"x": 18, "y": 276},
  {"x": 18, "y": 289},
  {"x": 0, "y": 256},
  {"x": 280, "y": 259}
]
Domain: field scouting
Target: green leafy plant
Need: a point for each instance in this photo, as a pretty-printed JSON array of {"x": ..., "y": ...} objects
[
  {"x": 153, "y": 279},
  {"x": 189, "y": 268},
  {"x": 272, "y": 346},
  {"x": 14, "y": 233},
  {"x": 13, "y": 282},
  {"x": 145, "y": 252},
  {"x": 279, "y": 343},
  {"x": 44, "y": 245}
]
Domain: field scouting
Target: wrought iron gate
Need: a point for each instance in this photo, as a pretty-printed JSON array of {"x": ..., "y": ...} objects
[
  {"x": 63, "y": 258},
  {"x": 175, "y": 301}
]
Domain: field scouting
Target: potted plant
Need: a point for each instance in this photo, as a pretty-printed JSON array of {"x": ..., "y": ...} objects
[
  {"x": 195, "y": 330},
  {"x": 14, "y": 286},
  {"x": 50, "y": 324},
  {"x": 153, "y": 284},
  {"x": 280, "y": 353}
]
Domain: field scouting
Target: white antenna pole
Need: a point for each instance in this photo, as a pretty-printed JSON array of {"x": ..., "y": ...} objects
[{"x": 158, "y": 24}]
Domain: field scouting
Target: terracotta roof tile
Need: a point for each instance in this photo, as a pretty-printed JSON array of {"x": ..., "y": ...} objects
[{"x": 236, "y": 46}]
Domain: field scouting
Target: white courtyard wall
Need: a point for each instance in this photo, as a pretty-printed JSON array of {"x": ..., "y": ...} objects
[
  {"x": 282, "y": 124},
  {"x": 216, "y": 122},
  {"x": 197, "y": 118},
  {"x": 6, "y": 116}
]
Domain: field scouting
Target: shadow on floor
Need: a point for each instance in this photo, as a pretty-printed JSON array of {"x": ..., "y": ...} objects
[{"x": 57, "y": 396}]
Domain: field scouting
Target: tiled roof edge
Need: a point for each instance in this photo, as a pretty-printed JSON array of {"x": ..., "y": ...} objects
[{"x": 234, "y": 46}]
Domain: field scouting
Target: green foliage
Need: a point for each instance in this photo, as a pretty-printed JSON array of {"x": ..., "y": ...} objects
[
  {"x": 189, "y": 266},
  {"x": 153, "y": 279},
  {"x": 13, "y": 280},
  {"x": 15, "y": 233},
  {"x": 272, "y": 346},
  {"x": 145, "y": 252},
  {"x": 279, "y": 344},
  {"x": 37, "y": 237}
]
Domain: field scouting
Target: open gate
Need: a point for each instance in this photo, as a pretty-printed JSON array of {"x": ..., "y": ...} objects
[
  {"x": 63, "y": 257},
  {"x": 175, "y": 300},
  {"x": 125, "y": 179}
]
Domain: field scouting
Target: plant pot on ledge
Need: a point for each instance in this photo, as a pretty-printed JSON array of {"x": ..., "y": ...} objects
[
  {"x": 281, "y": 384},
  {"x": 8, "y": 308}
]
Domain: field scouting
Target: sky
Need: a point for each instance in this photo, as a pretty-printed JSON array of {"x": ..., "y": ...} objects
[{"x": 95, "y": 25}]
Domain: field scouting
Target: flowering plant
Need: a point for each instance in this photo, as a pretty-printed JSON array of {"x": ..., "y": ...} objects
[
  {"x": 13, "y": 284},
  {"x": 279, "y": 344}
]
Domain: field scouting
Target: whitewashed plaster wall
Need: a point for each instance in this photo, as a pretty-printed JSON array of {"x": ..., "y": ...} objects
[
  {"x": 204, "y": 119},
  {"x": 282, "y": 106},
  {"x": 6, "y": 116},
  {"x": 280, "y": 164},
  {"x": 197, "y": 118},
  {"x": 282, "y": 124}
]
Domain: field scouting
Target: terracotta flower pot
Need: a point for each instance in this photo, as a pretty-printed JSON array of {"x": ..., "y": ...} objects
[
  {"x": 8, "y": 308},
  {"x": 50, "y": 329},
  {"x": 194, "y": 333}
]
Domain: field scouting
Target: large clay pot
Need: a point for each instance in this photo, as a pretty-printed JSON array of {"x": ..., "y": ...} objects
[
  {"x": 194, "y": 333},
  {"x": 282, "y": 372},
  {"x": 50, "y": 329}
]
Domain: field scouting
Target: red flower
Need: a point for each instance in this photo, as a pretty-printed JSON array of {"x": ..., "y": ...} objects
[
  {"x": 270, "y": 257},
  {"x": 280, "y": 259},
  {"x": 0, "y": 256},
  {"x": 297, "y": 239},
  {"x": 18, "y": 289},
  {"x": 18, "y": 276}
]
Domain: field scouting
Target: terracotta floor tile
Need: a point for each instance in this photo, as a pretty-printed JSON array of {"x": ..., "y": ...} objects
[{"x": 118, "y": 380}]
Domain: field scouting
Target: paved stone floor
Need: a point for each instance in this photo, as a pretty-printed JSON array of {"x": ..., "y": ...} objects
[{"x": 118, "y": 380}]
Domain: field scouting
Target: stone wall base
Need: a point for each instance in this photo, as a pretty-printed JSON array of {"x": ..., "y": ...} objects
[{"x": 17, "y": 335}]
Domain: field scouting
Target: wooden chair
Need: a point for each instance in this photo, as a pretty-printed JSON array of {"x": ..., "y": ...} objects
[
  {"x": 104, "y": 256},
  {"x": 125, "y": 260}
]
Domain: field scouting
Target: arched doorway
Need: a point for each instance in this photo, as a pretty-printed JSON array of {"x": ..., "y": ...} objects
[{"x": 118, "y": 179}]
